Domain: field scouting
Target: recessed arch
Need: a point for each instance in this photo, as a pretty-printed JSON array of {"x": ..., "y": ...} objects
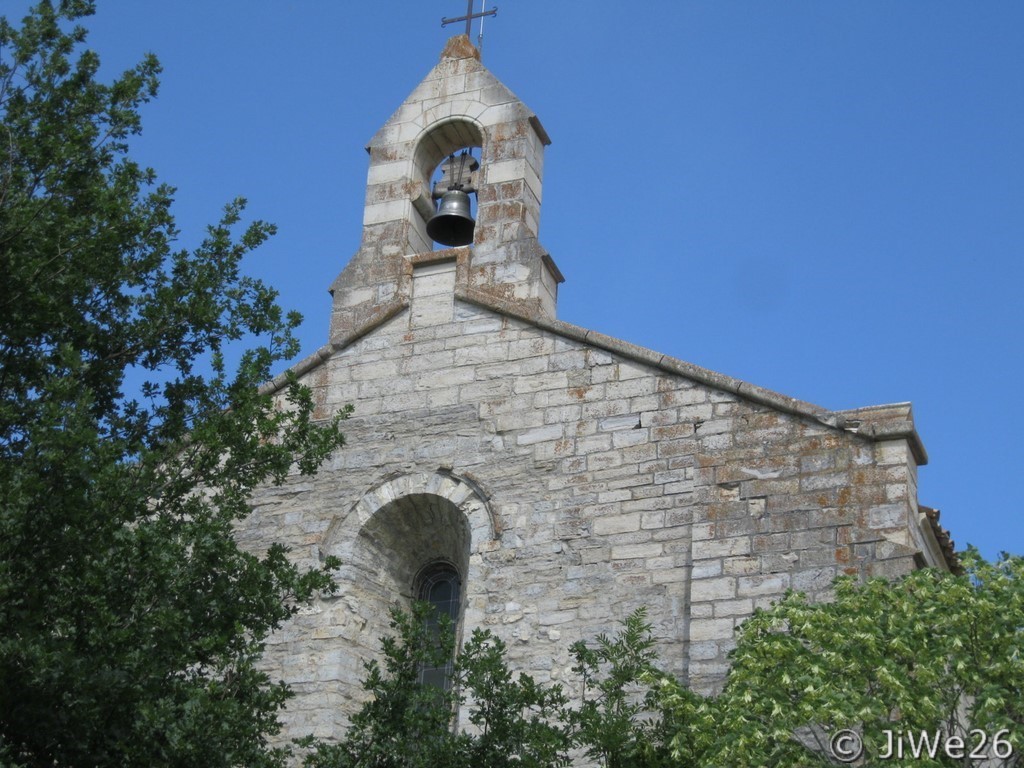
[
  {"x": 391, "y": 536},
  {"x": 405, "y": 534},
  {"x": 462, "y": 492}
]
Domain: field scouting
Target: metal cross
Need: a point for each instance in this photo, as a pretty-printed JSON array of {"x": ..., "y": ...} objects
[{"x": 468, "y": 18}]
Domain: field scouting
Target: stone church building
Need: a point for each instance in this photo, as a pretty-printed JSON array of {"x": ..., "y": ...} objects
[{"x": 537, "y": 478}]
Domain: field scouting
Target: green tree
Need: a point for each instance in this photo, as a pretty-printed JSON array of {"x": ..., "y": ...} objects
[
  {"x": 409, "y": 724},
  {"x": 130, "y": 622},
  {"x": 616, "y": 721},
  {"x": 512, "y": 720},
  {"x": 404, "y": 724},
  {"x": 934, "y": 653},
  {"x": 517, "y": 721}
]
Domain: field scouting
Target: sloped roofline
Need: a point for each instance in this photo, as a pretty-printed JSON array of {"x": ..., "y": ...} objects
[{"x": 879, "y": 422}]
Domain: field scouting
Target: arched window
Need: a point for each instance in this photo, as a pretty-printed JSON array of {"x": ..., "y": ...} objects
[{"x": 440, "y": 586}]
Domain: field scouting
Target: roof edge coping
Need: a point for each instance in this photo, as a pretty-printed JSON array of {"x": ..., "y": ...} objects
[
  {"x": 304, "y": 366},
  {"x": 876, "y": 422}
]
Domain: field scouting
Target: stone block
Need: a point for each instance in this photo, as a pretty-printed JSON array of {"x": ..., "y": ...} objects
[
  {"x": 540, "y": 434},
  {"x": 594, "y": 555},
  {"x": 813, "y": 580},
  {"x": 703, "y": 590},
  {"x": 887, "y": 516},
  {"x": 729, "y": 547},
  {"x": 825, "y": 480},
  {"x": 739, "y": 608},
  {"x": 630, "y": 551},
  {"x": 711, "y": 629},
  {"x": 555, "y": 618},
  {"x": 742, "y": 566},
  {"x": 612, "y": 524},
  {"x": 767, "y": 584},
  {"x": 706, "y": 569}
]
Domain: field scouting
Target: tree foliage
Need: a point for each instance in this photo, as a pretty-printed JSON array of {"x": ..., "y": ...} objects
[
  {"x": 614, "y": 722},
  {"x": 935, "y": 655},
  {"x": 130, "y": 621},
  {"x": 513, "y": 721}
]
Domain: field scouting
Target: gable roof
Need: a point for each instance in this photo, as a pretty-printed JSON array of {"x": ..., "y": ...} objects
[{"x": 880, "y": 422}]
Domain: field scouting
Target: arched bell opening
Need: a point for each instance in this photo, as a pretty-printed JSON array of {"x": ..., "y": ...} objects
[{"x": 447, "y": 162}]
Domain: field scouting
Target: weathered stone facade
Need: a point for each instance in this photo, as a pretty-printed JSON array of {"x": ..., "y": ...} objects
[{"x": 567, "y": 476}]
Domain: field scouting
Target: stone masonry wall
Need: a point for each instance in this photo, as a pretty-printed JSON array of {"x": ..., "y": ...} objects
[{"x": 571, "y": 483}]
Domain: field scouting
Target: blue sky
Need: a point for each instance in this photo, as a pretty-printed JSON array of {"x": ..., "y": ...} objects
[{"x": 821, "y": 197}]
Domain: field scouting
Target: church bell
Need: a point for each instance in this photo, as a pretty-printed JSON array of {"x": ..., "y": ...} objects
[{"x": 453, "y": 223}]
